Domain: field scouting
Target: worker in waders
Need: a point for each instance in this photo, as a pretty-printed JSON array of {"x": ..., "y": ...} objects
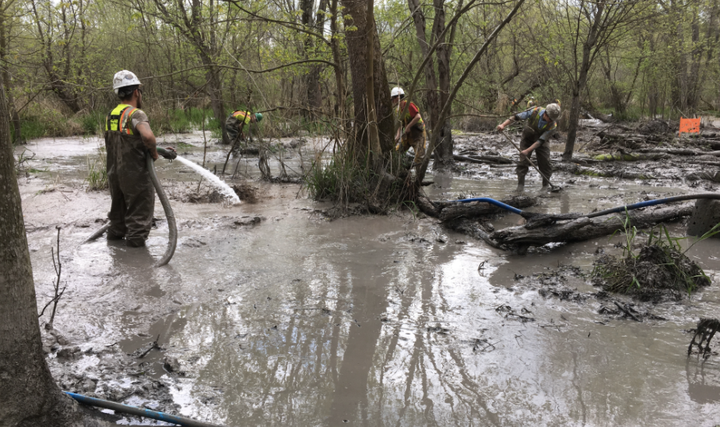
[
  {"x": 128, "y": 140},
  {"x": 237, "y": 121},
  {"x": 540, "y": 125},
  {"x": 411, "y": 132}
]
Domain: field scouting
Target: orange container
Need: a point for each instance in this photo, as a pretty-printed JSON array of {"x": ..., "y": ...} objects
[{"x": 689, "y": 126}]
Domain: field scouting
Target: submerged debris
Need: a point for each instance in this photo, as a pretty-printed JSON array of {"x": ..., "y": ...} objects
[
  {"x": 706, "y": 329},
  {"x": 658, "y": 272},
  {"x": 246, "y": 192}
]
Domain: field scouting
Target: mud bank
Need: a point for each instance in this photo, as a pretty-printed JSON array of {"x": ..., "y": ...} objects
[{"x": 271, "y": 314}]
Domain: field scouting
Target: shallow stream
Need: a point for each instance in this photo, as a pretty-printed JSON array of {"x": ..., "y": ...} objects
[{"x": 278, "y": 316}]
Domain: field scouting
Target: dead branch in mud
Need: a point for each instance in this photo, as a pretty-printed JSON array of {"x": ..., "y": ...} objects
[
  {"x": 58, "y": 292},
  {"x": 154, "y": 345},
  {"x": 705, "y": 330},
  {"x": 587, "y": 228},
  {"x": 627, "y": 311}
]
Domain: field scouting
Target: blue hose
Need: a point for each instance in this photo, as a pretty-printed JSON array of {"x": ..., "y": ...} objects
[
  {"x": 119, "y": 407},
  {"x": 535, "y": 215}
]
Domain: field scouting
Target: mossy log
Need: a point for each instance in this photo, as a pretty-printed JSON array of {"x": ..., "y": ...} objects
[{"x": 587, "y": 228}]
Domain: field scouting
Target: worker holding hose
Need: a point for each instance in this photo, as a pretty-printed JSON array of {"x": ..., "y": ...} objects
[
  {"x": 128, "y": 139},
  {"x": 540, "y": 125}
]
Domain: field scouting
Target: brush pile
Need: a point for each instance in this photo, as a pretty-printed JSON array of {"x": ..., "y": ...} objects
[{"x": 659, "y": 272}]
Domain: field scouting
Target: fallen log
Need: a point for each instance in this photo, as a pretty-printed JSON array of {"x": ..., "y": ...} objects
[
  {"x": 483, "y": 159},
  {"x": 629, "y": 157},
  {"x": 579, "y": 170},
  {"x": 679, "y": 151},
  {"x": 454, "y": 210},
  {"x": 494, "y": 159},
  {"x": 473, "y": 229},
  {"x": 588, "y": 228}
]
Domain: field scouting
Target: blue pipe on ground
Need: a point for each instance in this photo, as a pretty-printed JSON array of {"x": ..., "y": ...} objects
[
  {"x": 492, "y": 202},
  {"x": 119, "y": 407},
  {"x": 532, "y": 215}
]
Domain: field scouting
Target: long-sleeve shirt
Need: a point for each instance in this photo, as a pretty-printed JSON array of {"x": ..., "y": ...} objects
[{"x": 541, "y": 122}]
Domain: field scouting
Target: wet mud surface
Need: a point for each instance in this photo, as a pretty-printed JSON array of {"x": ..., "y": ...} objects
[{"x": 272, "y": 314}]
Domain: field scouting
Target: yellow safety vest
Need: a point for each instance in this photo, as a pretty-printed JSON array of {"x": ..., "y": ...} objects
[
  {"x": 244, "y": 114},
  {"x": 118, "y": 118}
]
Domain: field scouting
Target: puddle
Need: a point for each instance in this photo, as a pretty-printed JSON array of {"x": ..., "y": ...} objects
[{"x": 384, "y": 320}]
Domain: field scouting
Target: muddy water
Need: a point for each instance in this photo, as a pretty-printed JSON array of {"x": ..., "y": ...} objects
[{"x": 384, "y": 320}]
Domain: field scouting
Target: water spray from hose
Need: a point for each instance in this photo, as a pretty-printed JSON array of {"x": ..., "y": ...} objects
[{"x": 211, "y": 177}]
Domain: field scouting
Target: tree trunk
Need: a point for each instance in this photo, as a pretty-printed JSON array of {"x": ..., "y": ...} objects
[
  {"x": 29, "y": 395},
  {"x": 216, "y": 96},
  {"x": 444, "y": 147},
  {"x": 435, "y": 99},
  {"x": 581, "y": 82},
  {"x": 357, "y": 44}
]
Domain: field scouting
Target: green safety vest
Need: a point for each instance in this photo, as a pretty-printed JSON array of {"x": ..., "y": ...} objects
[
  {"x": 118, "y": 118},
  {"x": 534, "y": 121}
]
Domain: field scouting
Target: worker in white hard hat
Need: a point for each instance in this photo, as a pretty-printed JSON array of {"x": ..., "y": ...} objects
[
  {"x": 411, "y": 132},
  {"x": 540, "y": 125},
  {"x": 128, "y": 139}
]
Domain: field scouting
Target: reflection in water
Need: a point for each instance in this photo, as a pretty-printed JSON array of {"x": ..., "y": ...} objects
[
  {"x": 442, "y": 180},
  {"x": 564, "y": 202},
  {"x": 702, "y": 389}
]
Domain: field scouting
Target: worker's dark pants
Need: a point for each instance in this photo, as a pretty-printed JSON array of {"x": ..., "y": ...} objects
[
  {"x": 132, "y": 192},
  {"x": 542, "y": 154},
  {"x": 416, "y": 139},
  {"x": 232, "y": 133}
]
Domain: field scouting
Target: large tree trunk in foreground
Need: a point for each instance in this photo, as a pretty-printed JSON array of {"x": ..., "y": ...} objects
[
  {"x": 29, "y": 395},
  {"x": 357, "y": 44},
  {"x": 588, "y": 228}
]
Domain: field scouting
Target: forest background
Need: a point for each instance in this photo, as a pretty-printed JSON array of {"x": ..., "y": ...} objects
[{"x": 201, "y": 59}]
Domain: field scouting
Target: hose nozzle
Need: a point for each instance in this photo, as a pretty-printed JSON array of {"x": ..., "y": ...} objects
[{"x": 168, "y": 154}]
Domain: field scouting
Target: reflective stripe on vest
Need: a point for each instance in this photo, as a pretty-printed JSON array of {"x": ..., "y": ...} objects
[
  {"x": 244, "y": 114},
  {"x": 535, "y": 121},
  {"x": 117, "y": 120}
]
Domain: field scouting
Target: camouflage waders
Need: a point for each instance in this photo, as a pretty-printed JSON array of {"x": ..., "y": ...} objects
[{"x": 132, "y": 192}]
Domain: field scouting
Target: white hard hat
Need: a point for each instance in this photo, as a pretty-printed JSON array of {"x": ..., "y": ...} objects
[
  {"x": 553, "y": 111},
  {"x": 397, "y": 91},
  {"x": 124, "y": 78}
]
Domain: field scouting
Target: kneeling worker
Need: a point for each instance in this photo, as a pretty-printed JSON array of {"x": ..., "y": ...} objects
[
  {"x": 128, "y": 140},
  {"x": 236, "y": 122},
  {"x": 411, "y": 132},
  {"x": 538, "y": 129}
]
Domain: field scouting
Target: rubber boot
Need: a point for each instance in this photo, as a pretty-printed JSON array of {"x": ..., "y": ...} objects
[
  {"x": 545, "y": 185},
  {"x": 521, "y": 184},
  {"x": 113, "y": 236},
  {"x": 135, "y": 243}
]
